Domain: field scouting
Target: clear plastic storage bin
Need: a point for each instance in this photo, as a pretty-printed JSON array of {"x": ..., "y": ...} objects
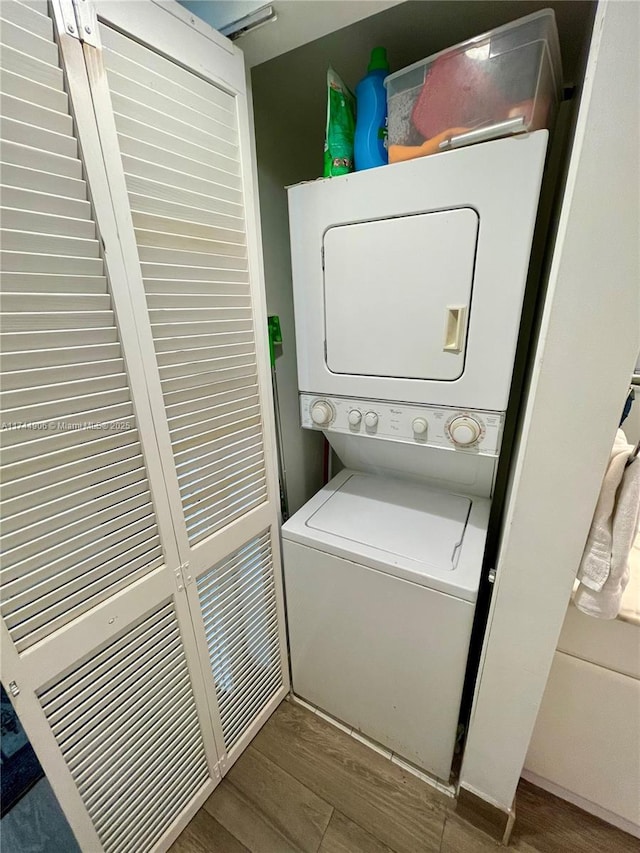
[{"x": 506, "y": 81}]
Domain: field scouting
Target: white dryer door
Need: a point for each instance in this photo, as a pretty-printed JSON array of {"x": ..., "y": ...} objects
[{"x": 398, "y": 295}]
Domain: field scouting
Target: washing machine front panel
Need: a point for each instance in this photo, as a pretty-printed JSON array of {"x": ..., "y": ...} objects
[
  {"x": 397, "y": 295},
  {"x": 425, "y": 266},
  {"x": 385, "y": 656}
]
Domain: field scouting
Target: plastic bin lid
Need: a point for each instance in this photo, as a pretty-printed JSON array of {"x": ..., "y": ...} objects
[{"x": 552, "y": 41}]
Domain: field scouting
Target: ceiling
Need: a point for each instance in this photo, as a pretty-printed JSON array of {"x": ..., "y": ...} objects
[
  {"x": 221, "y": 13},
  {"x": 298, "y": 21}
]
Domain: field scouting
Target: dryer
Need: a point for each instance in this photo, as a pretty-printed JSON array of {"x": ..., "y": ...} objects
[
  {"x": 408, "y": 288},
  {"x": 408, "y": 280}
]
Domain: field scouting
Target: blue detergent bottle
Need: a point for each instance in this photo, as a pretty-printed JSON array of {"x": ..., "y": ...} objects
[{"x": 370, "y": 148}]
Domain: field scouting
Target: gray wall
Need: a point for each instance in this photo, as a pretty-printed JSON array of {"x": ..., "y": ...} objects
[
  {"x": 282, "y": 162},
  {"x": 290, "y": 106}
]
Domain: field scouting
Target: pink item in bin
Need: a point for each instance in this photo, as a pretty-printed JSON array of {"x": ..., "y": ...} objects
[{"x": 458, "y": 91}]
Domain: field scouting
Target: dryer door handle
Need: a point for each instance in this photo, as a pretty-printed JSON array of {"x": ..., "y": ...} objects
[{"x": 455, "y": 327}]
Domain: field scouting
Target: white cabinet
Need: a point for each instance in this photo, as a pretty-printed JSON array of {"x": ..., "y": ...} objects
[{"x": 586, "y": 741}]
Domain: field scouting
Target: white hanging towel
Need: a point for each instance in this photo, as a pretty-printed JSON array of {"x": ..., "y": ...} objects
[{"x": 604, "y": 569}]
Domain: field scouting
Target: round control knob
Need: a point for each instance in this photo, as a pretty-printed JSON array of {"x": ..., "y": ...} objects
[
  {"x": 355, "y": 417},
  {"x": 321, "y": 413},
  {"x": 420, "y": 426},
  {"x": 371, "y": 420},
  {"x": 464, "y": 430}
]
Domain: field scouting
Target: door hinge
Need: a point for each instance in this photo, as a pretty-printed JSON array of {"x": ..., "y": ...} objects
[
  {"x": 79, "y": 20},
  {"x": 183, "y": 577},
  {"x": 13, "y": 688},
  {"x": 87, "y": 22},
  {"x": 492, "y": 576}
]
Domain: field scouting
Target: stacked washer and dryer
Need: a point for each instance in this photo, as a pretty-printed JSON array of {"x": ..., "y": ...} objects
[{"x": 408, "y": 288}]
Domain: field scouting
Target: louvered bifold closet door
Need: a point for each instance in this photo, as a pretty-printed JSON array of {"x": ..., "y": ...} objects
[
  {"x": 140, "y": 682},
  {"x": 240, "y": 617},
  {"x": 78, "y": 518},
  {"x": 172, "y": 108},
  {"x": 180, "y": 152},
  {"x": 88, "y": 546}
]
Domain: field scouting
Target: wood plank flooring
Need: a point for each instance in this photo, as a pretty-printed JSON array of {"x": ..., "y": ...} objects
[{"x": 304, "y": 786}]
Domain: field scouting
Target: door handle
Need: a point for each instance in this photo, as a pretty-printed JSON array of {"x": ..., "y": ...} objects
[{"x": 454, "y": 330}]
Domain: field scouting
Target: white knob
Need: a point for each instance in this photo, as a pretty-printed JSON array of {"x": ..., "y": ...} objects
[
  {"x": 464, "y": 430},
  {"x": 420, "y": 426},
  {"x": 321, "y": 413},
  {"x": 355, "y": 417},
  {"x": 371, "y": 420}
]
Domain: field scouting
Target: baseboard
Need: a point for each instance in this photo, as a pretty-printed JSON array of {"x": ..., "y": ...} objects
[
  {"x": 485, "y": 816},
  {"x": 586, "y": 805}
]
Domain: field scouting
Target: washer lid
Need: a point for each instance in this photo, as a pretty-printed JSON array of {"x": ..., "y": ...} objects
[
  {"x": 407, "y": 529},
  {"x": 405, "y": 520}
]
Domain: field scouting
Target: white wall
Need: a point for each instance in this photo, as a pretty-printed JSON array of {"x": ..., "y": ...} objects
[
  {"x": 281, "y": 162},
  {"x": 585, "y": 355}
]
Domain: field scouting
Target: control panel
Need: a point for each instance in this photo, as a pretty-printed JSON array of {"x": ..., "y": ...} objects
[{"x": 470, "y": 430}]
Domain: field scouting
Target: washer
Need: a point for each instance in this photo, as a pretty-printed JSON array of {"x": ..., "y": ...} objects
[{"x": 381, "y": 578}]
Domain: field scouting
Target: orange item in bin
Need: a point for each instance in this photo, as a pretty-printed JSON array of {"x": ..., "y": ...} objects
[{"x": 398, "y": 153}]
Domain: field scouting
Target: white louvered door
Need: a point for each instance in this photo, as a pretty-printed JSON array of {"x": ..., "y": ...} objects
[
  {"x": 173, "y": 116},
  {"x": 97, "y": 640},
  {"x": 142, "y": 601}
]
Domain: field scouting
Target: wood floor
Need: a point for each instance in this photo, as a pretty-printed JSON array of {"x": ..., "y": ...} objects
[{"x": 305, "y": 786}]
